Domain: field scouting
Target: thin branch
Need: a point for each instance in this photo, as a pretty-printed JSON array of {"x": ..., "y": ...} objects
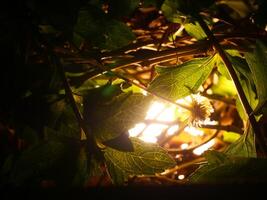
[
  {"x": 184, "y": 165},
  {"x": 259, "y": 136},
  {"x": 70, "y": 97},
  {"x": 193, "y": 148}
]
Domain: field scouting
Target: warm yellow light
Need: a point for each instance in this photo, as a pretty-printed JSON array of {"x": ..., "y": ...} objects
[
  {"x": 173, "y": 129},
  {"x": 200, "y": 150},
  {"x": 184, "y": 146},
  {"x": 155, "y": 109},
  {"x": 147, "y": 138},
  {"x": 193, "y": 131},
  {"x": 137, "y": 129},
  {"x": 154, "y": 130},
  {"x": 181, "y": 177},
  {"x": 167, "y": 115}
]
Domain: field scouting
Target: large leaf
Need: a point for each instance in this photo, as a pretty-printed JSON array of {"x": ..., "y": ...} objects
[
  {"x": 245, "y": 146},
  {"x": 258, "y": 65},
  {"x": 245, "y": 78},
  {"x": 221, "y": 168},
  {"x": 44, "y": 160},
  {"x": 110, "y": 119},
  {"x": 178, "y": 82},
  {"x": 195, "y": 30},
  {"x": 146, "y": 159}
]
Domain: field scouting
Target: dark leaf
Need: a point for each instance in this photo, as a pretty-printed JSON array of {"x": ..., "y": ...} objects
[{"x": 121, "y": 143}]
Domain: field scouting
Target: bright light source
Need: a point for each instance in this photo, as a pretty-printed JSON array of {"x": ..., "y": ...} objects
[
  {"x": 167, "y": 115},
  {"x": 181, "y": 177},
  {"x": 193, "y": 131},
  {"x": 154, "y": 130},
  {"x": 198, "y": 151},
  {"x": 149, "y": 139},
  {"x": 133, "y": 132},
  {"x": 154, "y": 110},
  {"x": 173, "y": 129},
  {"x": 184, "y": 146}
]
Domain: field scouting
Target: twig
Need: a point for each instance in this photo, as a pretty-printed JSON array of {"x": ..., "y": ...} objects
[
  {"x": 184, "y": 165},
  {"x": 193, "y": 148},
  {"x": 241, "y": 94},
  {"x": 207, "y": 126},
  {"x": 70, "y": 97}
]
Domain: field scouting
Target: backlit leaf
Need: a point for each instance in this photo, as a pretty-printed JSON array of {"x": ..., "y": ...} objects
[
  {"x": 180, "y": 81},
  {"x": 145, "y": 159},
  {"x": 258, "y": 65},
  {"x": 195, "y": 30},
  {"x": 245, "y": 146}
]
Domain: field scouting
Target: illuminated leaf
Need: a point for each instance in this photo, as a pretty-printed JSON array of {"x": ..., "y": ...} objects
[
  {"x": 145, "y": 159},
  {"x": 221, "y": 168},
  {"x": 245, "y": 146},
  {"x": 257, "y": 64},
  {"x": 195, "y": 30},
  {"x": 230, "y": 136},
  {"x": 178, "y": 82}
]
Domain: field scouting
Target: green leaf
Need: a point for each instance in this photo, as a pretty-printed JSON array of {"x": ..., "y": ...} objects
[
  {"x": 102, "y": 32},
  {"x": 35, "y": 161},
  {"x": 175, "y": 10},
  {"x": 146, "y": 159},
  {"x": 230, "y": 136},
  {"x": 178, "y": 82},
  {"x": 221, "y": 168},
  {"x": 117, "y": 176},
  {"x": 169, "y": 10},
  {"x": 195, "y": 30},
  {"x": 257, "y": 64},
  {"x": 122, "y": 8},
  {"x": 245, "y": 146},
  {"x": 109, "y": 119}
]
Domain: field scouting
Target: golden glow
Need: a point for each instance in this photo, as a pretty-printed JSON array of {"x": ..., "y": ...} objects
[
  {"x": 173, "y": 129},
  {"x": 181, "y": 177},
  {"x": 200, "y": 150},
  {"x": 184, "y": 146},
  {"x": 160, "y": 113},
  {"x": 154, "y": 110},
  {"x": 135, "y": 131},
  {"x": 193, "y": 131}
]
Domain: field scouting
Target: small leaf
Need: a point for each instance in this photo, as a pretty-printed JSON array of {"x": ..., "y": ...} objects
[
  {"x": 180, "y": 81},
  {"x": 195, "y": 30},
  {"x": 257, "y": 64},
  {"x": 146, "y": 159},
  {"x": 245, "y": 146},
  {"x": 230, "y": 136}
]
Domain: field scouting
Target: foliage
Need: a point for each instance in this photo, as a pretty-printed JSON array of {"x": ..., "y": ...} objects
[{"x": 79, "y": 74}]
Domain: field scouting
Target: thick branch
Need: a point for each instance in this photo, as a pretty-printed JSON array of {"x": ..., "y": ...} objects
[{"x": 241, "y": 94}]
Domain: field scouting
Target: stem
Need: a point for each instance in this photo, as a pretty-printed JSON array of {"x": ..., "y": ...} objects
[
  {"x": 193, "y": 148},
  {"x": 241, "y": 94},
  {"x": 70, "y": 97}
]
